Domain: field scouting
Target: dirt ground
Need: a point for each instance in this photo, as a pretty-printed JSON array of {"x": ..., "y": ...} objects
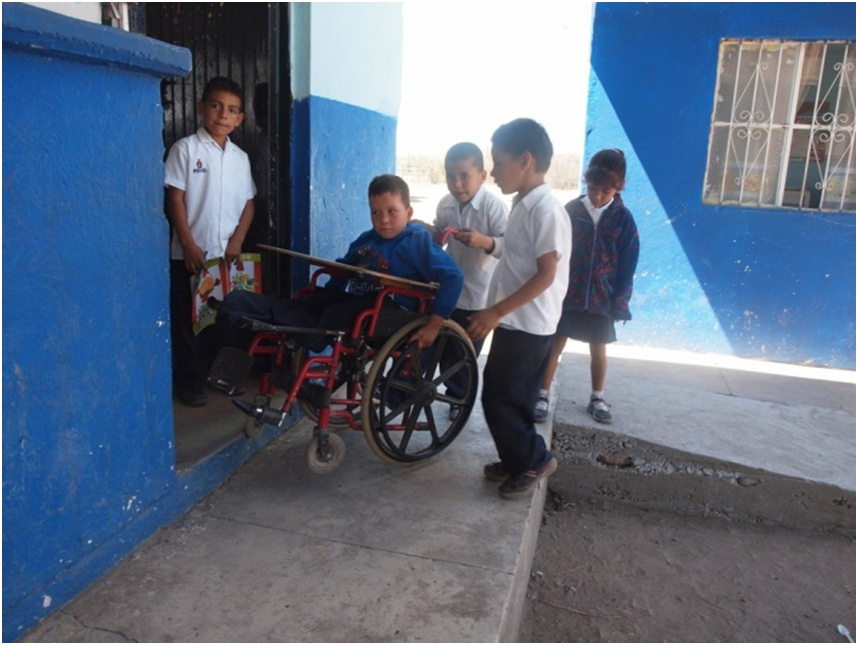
[{"x": 609, "y": 572}]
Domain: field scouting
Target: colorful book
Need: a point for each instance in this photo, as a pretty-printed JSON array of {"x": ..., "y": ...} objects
[{"x": 217, "y": 279}]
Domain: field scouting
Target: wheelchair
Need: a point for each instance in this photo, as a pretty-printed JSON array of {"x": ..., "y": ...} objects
[{"x": 370, "y": 379}]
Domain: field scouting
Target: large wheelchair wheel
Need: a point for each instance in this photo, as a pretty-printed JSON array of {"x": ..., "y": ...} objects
[
  {"x": 405, "y": 412},
  {"x": 350, "y": 378}
]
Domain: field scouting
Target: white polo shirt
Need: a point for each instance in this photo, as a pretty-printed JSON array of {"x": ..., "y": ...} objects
[
  {"x": 538, "y": 224},
  {"x": 217, "y": 184},
  {"x": 487, "y": 214}
]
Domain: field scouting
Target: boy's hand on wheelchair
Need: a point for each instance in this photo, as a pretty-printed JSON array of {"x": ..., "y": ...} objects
[
  {"x": 483, "y": 323},
  {"x": 428, "y": 333}
]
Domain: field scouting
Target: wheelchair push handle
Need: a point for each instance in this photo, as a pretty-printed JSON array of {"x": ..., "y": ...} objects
[{"x": 446, "y": 234}]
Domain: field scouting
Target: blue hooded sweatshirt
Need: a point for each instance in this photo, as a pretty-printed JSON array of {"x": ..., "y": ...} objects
[{"x": 412, "y": 255}]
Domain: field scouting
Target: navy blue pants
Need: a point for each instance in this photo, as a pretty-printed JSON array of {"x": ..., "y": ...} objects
[
  {"x": 321, "y": 309},
  {"x": 191, "y": 353},
  {"x": 511, "y": 378}
]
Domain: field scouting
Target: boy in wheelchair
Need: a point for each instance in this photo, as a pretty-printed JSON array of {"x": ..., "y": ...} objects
[{"x": 394, "y": 245}]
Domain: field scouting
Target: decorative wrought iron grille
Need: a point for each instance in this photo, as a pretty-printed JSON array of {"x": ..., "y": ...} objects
[{"x": 783, "y": 125}]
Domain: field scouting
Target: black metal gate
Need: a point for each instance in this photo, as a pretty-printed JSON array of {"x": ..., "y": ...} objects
[
  {"x": 246, "y": 42},
  {"x": 225, "y": 39}
]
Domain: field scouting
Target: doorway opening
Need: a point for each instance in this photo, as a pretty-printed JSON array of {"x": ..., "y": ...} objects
[{"x": 247, "y": 42}]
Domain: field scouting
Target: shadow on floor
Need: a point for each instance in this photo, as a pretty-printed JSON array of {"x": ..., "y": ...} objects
[{"x": 204, "y": 431}]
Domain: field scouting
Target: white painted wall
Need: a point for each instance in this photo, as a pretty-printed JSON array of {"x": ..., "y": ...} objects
[
  {"x": 299, "y": 44},
  {"x": 348, "y": 52},
  {"x": 89, "y": 11}
]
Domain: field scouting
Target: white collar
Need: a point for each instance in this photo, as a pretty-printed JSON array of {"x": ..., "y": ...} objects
[{"x": 595, "y": 212}]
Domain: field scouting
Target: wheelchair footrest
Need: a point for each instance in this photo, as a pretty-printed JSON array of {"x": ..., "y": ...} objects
[
  {"x": 230, "y": 370},
  {"x": 262, "y": 413},
  {"x": 316, "y": 395}
]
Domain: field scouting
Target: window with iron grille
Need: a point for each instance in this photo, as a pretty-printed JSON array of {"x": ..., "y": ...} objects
[{"x": 783, "y": 126}]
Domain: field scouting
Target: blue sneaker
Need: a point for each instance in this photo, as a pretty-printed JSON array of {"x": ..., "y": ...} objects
[{"x": 598, "y": 409}]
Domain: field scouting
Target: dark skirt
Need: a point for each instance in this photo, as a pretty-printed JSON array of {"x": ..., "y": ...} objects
[{"x": 588, "y": 328}]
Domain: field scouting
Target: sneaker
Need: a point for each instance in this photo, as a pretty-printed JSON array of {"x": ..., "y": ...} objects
[
  {"x": 540, "y": 412},
  {"x": 193, "y": 396},
  {"x": 454, "y": 411},
  {"x": 598, "y": 409},
  {"x": 496, "y": 472},
  {"x": 525, "y": 483}
]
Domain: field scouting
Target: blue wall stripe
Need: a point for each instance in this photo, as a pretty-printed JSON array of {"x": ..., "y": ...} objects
[{"x": 350, "y": 146}]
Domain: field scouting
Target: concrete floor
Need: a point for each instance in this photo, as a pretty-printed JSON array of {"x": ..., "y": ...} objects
[
  {"x": 201, "y": 432},
  {"x": 374, "y": 552}
]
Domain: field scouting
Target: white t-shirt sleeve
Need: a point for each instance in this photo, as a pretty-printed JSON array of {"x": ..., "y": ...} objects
[
  {"x": 248, "y": 180},
  {"x": 175, "y": 168},
  {"x": 497, "y": 214},
  {"x": 546, "y": 234},
  {"x": 442, "y": 214}
]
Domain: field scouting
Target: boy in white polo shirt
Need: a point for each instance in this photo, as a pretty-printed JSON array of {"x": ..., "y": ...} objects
[
  {"x": 210, "y": 204},
  {"x": 525, "y": 302},
  {"x": 480, "y": 219}
]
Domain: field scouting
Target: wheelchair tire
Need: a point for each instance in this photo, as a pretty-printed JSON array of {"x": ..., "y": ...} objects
[
  {"x": 323, "y": 464},
  {"x": 405, "y": 411}
]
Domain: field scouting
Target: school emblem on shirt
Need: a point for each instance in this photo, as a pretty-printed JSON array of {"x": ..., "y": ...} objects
[{"x": 199, "y": 167}]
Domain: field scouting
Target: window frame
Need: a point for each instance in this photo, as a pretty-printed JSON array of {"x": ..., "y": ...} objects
[{"x": 761, "y": 119}]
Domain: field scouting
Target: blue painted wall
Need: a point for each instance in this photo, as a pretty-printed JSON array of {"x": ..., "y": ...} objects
[
  {"x": 772, "y": 284},
  {"x": 88, "y": 456}
]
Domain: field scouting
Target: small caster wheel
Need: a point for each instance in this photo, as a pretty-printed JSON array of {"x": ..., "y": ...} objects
[
  {"x": 252, "y": 427},
  {"x": 325, "y": 453}
]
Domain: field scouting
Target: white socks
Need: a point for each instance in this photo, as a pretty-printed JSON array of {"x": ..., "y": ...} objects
[{"x": 600, "y": 405}]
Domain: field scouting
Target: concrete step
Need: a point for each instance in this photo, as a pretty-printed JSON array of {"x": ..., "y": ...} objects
[{"x": 711, "y": 440}]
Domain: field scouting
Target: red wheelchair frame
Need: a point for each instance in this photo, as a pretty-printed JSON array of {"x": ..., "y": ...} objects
[{"x": 373, "y": 380}]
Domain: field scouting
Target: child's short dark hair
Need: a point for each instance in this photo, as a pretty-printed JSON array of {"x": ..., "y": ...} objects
[
  {"x": 602, "y": 177},
  {"x": 607, "y": 168},
  {"x": 223, "y": 84},
  {"x": 525, "y": 135},
  {"x": 464, "y": 151},
  {"x": 390, "y": 184},
  {"x": 611, "y": 159}
]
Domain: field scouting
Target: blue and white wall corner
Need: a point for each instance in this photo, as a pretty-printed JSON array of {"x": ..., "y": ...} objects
[{"x": 347, "y": 66}]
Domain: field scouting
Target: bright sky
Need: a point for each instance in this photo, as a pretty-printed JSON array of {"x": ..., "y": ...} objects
[{"x": 470, "y": 67}]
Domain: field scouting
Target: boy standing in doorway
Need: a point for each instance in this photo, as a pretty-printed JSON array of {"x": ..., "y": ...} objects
[{"x": 210, "y": 205}]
